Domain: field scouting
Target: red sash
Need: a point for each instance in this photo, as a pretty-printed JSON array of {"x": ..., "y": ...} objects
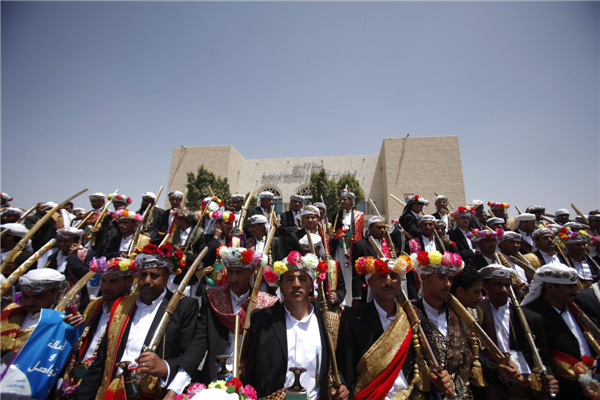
[{"x": 381, "y": 386}]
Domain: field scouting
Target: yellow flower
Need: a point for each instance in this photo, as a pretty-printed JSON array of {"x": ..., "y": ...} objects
[
  {"x": 370, "y": 265},
  {"x": 124, "y": 265},
  {"x": 435, "y": 257},
  {"x": 217, "y": 385},
  {"x": 280, "y": 268}
]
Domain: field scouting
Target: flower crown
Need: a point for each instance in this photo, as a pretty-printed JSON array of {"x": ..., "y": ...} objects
[
  {"x": 127, "y": 214},
  {"x": 119, "y": 197},
  {"x": 6, "y": 197},
  {"x": 309, "y": 263},
  {"x": 436, "y": 262},
  {"x": 224, "y": 215},
  {"x": 565, "y": 234},
  {"x": 230, "y": 386},
  {"x": 476, "y": 234},
  {"x": 168, "y": 252},
  {"x": 100, "y": 265},
  {"x": 462, "y": 211},
  {"x": 379, "y": 266},
  {"x": 209, "y": 200},
  {"x": 239, "y": 257},
  {"x": 498, "y": 205},
  {"x": 416, "y": 199}
]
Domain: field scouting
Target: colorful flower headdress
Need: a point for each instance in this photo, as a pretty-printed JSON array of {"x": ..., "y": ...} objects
[
  {"x": 595, "y": 240},
  {"x": 567, "y": 236},
  {"x": 119, "y": 198},
  {"x": 462, "y": 211},
  {"x": 212, "y": 204},
  {"x": 381, "y": 266},
  {"x": 175, "y": 259},
  {"x": 493, "y": 204},
  {"x": 6, "y": 197},
  {"x": 127, "y": 214},
  {"x": 414, "y": 199},
  {"x": 477, "y": 234},
  {"x": 309, "y": 263},
  {"x": 115, "y": 266},
  {"x": 224, "y": 215},
  {"x": 219, "y": 389},
  {"x": 239, "y": 257},
  {"x": 438, "y": 263}
]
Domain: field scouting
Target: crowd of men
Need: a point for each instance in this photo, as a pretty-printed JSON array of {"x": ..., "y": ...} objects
[{"x": 463, "y": 303}]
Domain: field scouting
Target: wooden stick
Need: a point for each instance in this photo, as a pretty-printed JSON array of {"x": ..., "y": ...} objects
[
  {"x": 101, "y": 218},
  {"x": 18, "y": 249},
  {"x": 12, "y": 279},
  {"x": 388, "y": 237},
  {"x": 184, "y": 198},
  {"x": 26, "y": 214},
  {"x": 580, "y": 214},
  {"x": 403, "y": 204},
  {"x": 64, "y": 302}
]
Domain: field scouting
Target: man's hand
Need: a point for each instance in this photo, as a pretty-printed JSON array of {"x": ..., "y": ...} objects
[
  {"x": 332, "y": 298},
  {"x": 73, "y": 319},
  {"x": 150, "y": 363},
  {"x": 170, "y": 394},
  {"x": 443, "y": 382},
  {"x": 95, "y": 230},
  {"x": 341, "y": 393},
  {"x": 73, "y": 249},
  {"x": 550, "y": 384},
  {"x": 124, "y": 255},
  {"x": 510, "y": 372},
  {"x": 146, "y": 234},
  {"x": 218, "y": 231}
]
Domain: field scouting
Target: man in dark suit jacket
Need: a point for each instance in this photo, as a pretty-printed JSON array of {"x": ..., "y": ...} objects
[
  {"x": 554, "y": 286},
  {"x": 579, "y": 259},
  {"x": 288, "y": 218},
  {"x": 166, "y": 219},
  {"x": 497, "y": 281},
  {"x": 176, "y": 354},
  {"x": 148, "y": 200},
  {"x": 257, "y": 224},
  {"x": 589, "y": 302},
  {"x": 268, "y": 371},
  {"x": 362, "y": 326},
  {"x": 265, "y": 202},
  {"x": 462, "y": 216},
  {"x": 9, "y": 241},
  {"x": 410, "y": 215}
]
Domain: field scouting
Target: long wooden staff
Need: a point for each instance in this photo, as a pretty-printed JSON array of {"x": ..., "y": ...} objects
[
  {"x": 148, "y": 222},
  {"x": 26, "y": 214},
  {"x": 12, "y": 279},
  {"x": 331, "y": 264},
  {"x": 403, "y": 204},
  {"x": 83, "y": 221},
  {"x": 196, "y": 228},
  {"x": 100, "y": 219},
  {"x": 18, "y": 249},
  {"x": 184, "y": 198},
  {"x": 580, "y": 214},
  {"x": 255, "y": 290},
  {"x": 245, "y": 211},
  {"x": 136, "y": 235},
  {"x": 77, "y": 287},
  {"x": 173, "y": 303},
  {"x": 387, "y": 233}
]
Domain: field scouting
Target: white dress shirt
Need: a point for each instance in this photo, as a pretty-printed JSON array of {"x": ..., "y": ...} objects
[
  {"x": 171, "y": 218},
  {"x": 125, "y": 243},
  {"x": 30, "y": 320},
  {"x": 184, "y": 234},
  {"x": 61, "y": 262},
  {"x": 260, "y": 244},
  {"x": 502, "y": 324},
  {"x": 526, "y": 237},
  {"x": 550, "y": 259},
  {"x": 520, "y": 271},
  {"x": 466, "y": 237},
  {"x": 584, "y": 348},
  {"x": 304, "y": 351},
  {"x": 236, "y": 305},
  {"x": 347, "y": 218},
  {"x": 428, "y": 244},
  {"x": 439, "y": 320},
  {"x": 102, "y": 323},
  {"x": 400, "y": 382}
]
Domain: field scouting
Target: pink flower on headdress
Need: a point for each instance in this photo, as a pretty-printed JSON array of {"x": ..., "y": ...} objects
[
  {"x": 360, "y": 265},
  {"x": 249, "y": 392},
  {"x": 322, "y": 276},
  {"x": 415, "y": 246},
  {"x": 294, "y": 257},
  {"x": 195, "y": 389},
  {"x": 447, "y": 259},
  {"x": 270, "y": 276},
  {"x": 457, "y": 260}
]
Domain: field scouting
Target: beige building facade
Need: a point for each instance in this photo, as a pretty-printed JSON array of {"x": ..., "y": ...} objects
[{"x": 404, "y": 166}]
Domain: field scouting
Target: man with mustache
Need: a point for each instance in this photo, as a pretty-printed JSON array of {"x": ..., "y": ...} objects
[{"x": 552, "y": 294}]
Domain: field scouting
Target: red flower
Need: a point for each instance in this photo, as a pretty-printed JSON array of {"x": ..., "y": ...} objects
[
  {"x": 247, "y": 256},
  {"x": 179, "y": 253},
  {"x": 381, "y": 267},
  {"x": 150, "y": 248},
  {"x": 423, "y": 258},
  {"x": 236, "y": 383},
  {"x": 587, "y": 360},
  {"x": 322, "y": 266},
  {"x": 416, "y": 196}
]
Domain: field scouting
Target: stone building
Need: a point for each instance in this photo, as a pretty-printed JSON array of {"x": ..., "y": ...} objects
[{"x": 404, "y": 166}]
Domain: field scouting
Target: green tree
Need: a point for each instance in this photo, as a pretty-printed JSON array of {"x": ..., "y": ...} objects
[
  {"x": 198, "y": 184},
  {"x": 322, "y": 187}
]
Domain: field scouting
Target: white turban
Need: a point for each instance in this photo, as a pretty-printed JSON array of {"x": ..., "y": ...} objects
[
  {"x": 316, "y": 239},
  {"x": 575, "y": 227},
  {"x": 149, "y": 195},
  {"x": 79, "y": 209},
  {"x": 375, "y": 219},
  {"x": 542, "y": 231},
  {"x": 426, "y": 218},
  {"x": 508, "y": 235},
  {"x": 13, "y": 211},
  {"x": 475, "y": 203},
  {"x": 494, "y": 220},
  {"x": 97, "y": 196},
  {"x": 523, "y": 217},
  {"x": 259, "y": 219},
  {"x": 307, "y": 210},
  {"x": 237, "y": 197},
  {"x": 324, "y": 207},
  {"x": 265, "y": 195},
  {"x": 440, "y": 222},
  {"x": 15, "y": 229},
  {"x": 40, "y": 280},
  {"x": 533, "y": 209},
  {"x": 495, "y": 271},
  {"x": 49, "y": 205},
  {"x": 176, "y": 194},
  {"x": 440, "y": 197},
  {"x": 550, "y": 273},
  {"x": 69, "y": 233},
  {"x": 296, "y": 197},
  {"x": 562, "y": 211}
]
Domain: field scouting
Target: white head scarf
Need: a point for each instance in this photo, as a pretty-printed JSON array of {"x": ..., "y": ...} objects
[{"x": 550, "y": 273}]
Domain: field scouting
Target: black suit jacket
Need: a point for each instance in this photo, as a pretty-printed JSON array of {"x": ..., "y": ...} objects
[
  {"x": 157, "y": 215},
  {"x": 249, "y": 213},
  {"x": 461, "y": 244},
  {"x": 478, "y": 262},
  {"x": 559, "y": 338},
  {"x": 112, "y": 250},
  {"x": 288, "y": 224},
  {"x": 181, "y": 349},
  {"x": 78, "y": 269},
  {"x": 277, "y": 248},
  {"x": 360, "y": 328},
  {"x": 266, "y": 369},
  {"x": 361, "y": 248},
  {"x": 588, "y": 302},
  {"x": 474, "y": 223},
  {"x": 409, "y": 223}
]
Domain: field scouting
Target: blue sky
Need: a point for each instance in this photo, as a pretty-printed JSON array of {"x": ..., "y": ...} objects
[{"x": 96, "y": 94}]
